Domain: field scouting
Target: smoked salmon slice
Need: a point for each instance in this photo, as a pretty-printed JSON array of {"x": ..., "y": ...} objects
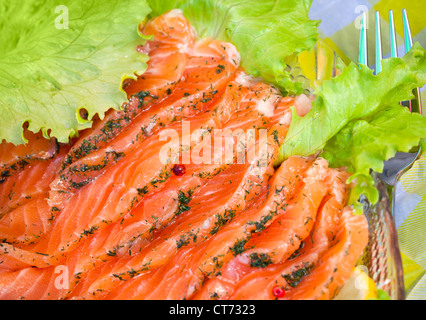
[
  {"x": 287, "y": 235},
  {"x": 198, "y": 223},
  {"x": 335, "y": 229},
  {"x": 116, "y": 193},
  {"x": 193, "y": 95},
  {"x": 14, "y": 159},
  {"x": 177, "y": 195},
  {"x": 336, "y": 265},
  {"x": 87, "y": 261},
  {"x": 172, "y": 37},
  {"x": 25, "y": 215},
  {"x": 241, "y": 282},
  {"x": 29, "y": 183},
  {"x": 213, "y": 250},
  {"x": 27, "y": 223},
  {"x": 132, "y": 178},
  {"x": 192, "y": 265},
  {"x": 76, "y": 264},
  {"x": 298, "y": 276}
]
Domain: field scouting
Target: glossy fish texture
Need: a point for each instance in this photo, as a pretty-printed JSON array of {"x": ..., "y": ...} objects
[{"x": 121, "y": 223}]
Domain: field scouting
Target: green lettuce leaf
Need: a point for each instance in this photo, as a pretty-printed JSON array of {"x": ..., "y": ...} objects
[
  {"x": 58, "y": 57},
  {"x": 265, "y": 32},
  {"x": 363, "y": 145},
  {"x": 356, "y": 120}
]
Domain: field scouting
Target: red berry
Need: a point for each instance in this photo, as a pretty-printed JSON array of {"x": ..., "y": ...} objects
[
  {"x": 179, "y": 169},
  {"x": 278, "y": 291}
]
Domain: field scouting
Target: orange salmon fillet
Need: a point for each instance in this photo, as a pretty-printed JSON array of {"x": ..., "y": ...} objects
[
  {"x": 172, "y": 37},
  {"x": 14, "y": 159},
  {"x": 287, "y": 235},
  {"x": 127, "y": 211},
  {"x": 192, "y": 265},
  {"x": 21, "y": 187}
]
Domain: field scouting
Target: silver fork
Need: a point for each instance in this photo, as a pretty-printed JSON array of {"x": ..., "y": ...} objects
[
  {"x": 395, "y": 167},
  {"x": 382, "y": 255}
]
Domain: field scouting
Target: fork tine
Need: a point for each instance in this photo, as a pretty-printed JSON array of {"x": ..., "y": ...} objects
[
  {"x": 362, "y": 58},
  {"x": 407, "y": 31},
  {"x": 394, "y": 51},
  {"x": 415, "y": 105},
  {"x": 392, "y": 33},
  {"x": 408, "y": 44},
  {"x": 393, "y": 47},
  {"x": 379, "y": 55}
]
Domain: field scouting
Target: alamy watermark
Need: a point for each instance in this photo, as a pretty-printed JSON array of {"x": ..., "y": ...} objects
[
  {"x": 62, "y": 20},
  {"x": 361, "y": 11},
  {"x": 62, "y": 280}
]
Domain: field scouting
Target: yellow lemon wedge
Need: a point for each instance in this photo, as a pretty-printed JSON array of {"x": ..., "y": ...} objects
[{"x": 358, "y": 287}]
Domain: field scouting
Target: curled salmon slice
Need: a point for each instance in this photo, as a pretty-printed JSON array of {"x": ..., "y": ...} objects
[
  {"x": 286, "y": 236},
  {"x": 132, "y": 179},
  {"x": 198, "y": 224},
  {"x": 193, "y": 264},
  {"x": 247, "y": 283},
  {"x": 27, "y": 223},
  {"x": 172, "y": 38},
  {"x": 25, "y": 215},
  {"x": 125, "y": 236},
  {"x": 336, "y": 265},
  {"x": 14, "y": 159},
  {"x": 121, "y": 223},
  {"x": 30, "y": 183},
  {"x": 335, "y": 233},
  {"x": 115, "y": 194},
  {"x": 192, "y": 96}
]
